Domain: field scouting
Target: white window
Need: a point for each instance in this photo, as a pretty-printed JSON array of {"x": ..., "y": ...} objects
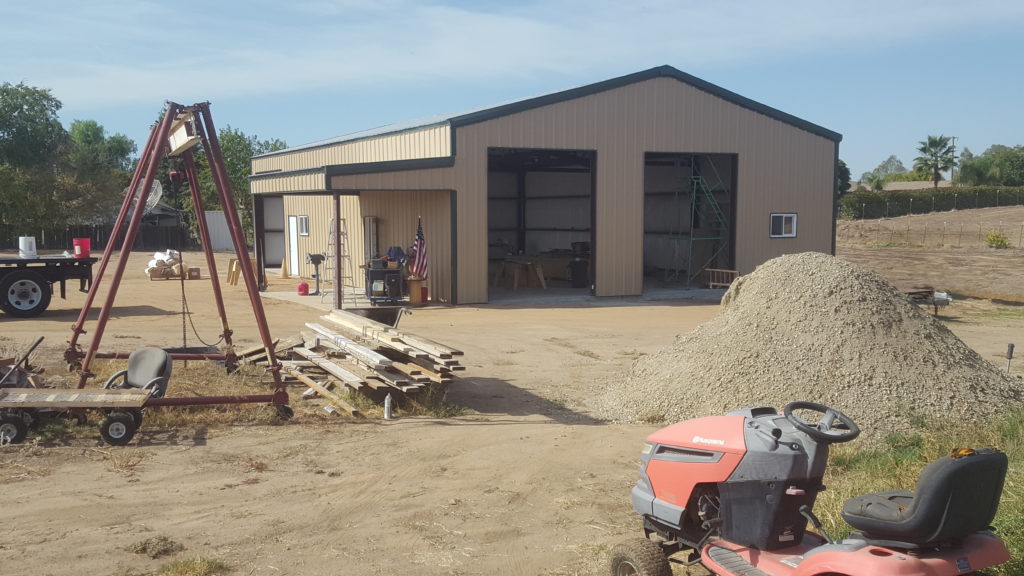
[
  {"x": 783, "y": 226},
  {"x": 303, "y": 225}
]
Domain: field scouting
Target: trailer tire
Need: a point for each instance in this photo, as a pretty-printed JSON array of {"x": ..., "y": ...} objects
[
  {"x": 118, "y": 428},
  {"x": 24, "y": 294},
  {"x": 13, "y": 429},
  {"x": 639, "y": 557}
]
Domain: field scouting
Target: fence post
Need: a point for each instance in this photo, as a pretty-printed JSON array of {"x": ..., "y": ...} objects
[
  {"x": 958, "y": 238},
  {"x": 943, "y": 241}
]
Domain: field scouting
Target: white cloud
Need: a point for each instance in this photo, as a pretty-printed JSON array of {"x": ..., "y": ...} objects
[{"x": 126, "y": 52}]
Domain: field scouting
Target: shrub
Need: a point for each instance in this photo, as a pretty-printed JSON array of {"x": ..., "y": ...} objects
[{"x": 996, "y": 239}]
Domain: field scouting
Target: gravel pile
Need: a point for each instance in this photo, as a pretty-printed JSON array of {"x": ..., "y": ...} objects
[{"x": 814, "y": 327}]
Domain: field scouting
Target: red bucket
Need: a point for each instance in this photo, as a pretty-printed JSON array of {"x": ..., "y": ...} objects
[{"x": 82, "y": 246}]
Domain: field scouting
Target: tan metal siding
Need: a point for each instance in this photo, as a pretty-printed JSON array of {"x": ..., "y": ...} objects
[
  {"x": 397, "y": 213},
  {"x": 320, "y": 210},
  {"x": 303, "y": 182},
  {"x": 780, "y": 169},
  {"x": 428, "y": 142}
]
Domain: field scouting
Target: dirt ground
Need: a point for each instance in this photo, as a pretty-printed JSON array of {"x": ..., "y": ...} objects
[{"x": 523, "y": 483}]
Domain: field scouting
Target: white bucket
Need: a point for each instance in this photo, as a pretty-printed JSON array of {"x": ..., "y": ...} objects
[{"x": 27, "y": 247}]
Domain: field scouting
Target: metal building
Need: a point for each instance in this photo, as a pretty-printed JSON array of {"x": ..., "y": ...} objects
[{"x": 650, "y": 178}]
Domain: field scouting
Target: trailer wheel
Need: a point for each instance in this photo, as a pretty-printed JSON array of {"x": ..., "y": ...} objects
[
  {"x": 284, "y": 412},
  {"x": 13, "y": 429},
  {"x": 639, "y": 557},
  {"x": 136, "y": 414},
  {"x": 118, "y": 428},
  {"x": 24, "y": 293}
]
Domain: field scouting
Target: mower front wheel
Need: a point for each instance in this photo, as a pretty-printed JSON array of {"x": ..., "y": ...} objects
[{"x": 639, "y": 557}]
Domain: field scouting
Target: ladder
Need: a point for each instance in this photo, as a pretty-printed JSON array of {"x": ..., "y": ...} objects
[{"x": 348, "y": 286}]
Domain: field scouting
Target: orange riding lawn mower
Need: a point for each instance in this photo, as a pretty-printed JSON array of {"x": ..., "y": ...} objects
[{"x": 735, "y": 493}]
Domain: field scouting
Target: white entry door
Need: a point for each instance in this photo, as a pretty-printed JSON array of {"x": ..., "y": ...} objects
[{"x": 293, "y": 245}]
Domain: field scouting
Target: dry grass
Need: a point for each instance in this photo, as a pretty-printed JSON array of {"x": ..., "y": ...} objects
[{"x": 156, "y": 547}]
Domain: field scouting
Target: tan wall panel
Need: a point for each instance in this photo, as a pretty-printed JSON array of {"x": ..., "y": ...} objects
[
  {"x": 313, "y": 181},
  {"x": 428, "y": 142},
  {"x": 320, "y": 210},
  {"x": 430, "y": 179},
  {"x": 781, "y": 168},
  {"x": 397, "y": 213}
]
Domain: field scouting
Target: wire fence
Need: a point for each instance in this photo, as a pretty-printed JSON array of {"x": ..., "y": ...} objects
[
  {"x": 59, "y": 238},
  {"x": 944, "y": 234}
]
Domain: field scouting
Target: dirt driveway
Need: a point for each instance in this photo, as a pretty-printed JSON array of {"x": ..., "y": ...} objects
[{"x": 524, "y": 483}]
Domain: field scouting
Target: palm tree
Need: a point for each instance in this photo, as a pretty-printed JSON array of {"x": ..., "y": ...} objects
[{"x": 937, "y": 154}]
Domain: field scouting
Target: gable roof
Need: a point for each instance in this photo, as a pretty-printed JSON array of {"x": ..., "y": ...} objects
[{"x": 492, "y": 112}]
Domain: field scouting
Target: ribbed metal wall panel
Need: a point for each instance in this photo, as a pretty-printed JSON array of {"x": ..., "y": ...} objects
[
  {"x": 428, "y": 142},
  {"x": 780, "y": 168},
  {"x": 397, "y": 213},
  {"x": 300, "y": 182}
]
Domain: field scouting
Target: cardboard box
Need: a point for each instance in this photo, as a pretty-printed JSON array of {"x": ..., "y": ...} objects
[{"x": 194, "y": 274}]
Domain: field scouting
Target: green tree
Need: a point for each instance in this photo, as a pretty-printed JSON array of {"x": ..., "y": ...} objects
[
  {"x": 31, "y": 144},
  {"x": 842, "y": 178},
  {"x": 96, "y": 171},
  {"x": 238, "y": 150},
  {"x": 30, "y": 133},
  {"x": 937, "y": 154},
  {"x": 890, "y": 166}
]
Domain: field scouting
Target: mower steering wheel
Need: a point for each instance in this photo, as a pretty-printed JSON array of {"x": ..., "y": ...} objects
[{"x": 824, "y": 430}]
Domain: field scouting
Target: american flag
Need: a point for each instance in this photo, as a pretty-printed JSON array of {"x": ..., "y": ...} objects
[{"x": 418, "y": 262}]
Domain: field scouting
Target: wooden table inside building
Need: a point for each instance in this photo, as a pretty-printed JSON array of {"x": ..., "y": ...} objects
[{"x": 515, "y": 269}]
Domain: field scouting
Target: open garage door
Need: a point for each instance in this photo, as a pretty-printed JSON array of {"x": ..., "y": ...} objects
[
  {"x": 540, "y": 228},
  {"x": 689, "y": 217}
]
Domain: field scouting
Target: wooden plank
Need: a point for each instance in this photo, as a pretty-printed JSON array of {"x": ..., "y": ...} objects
[
  {"x": 363, "y": 353},
  {"x": 359, "y": 324},
  {"x": 258, "y": 349},
  {"x": 377, "y": 336},
  {"x": 352, "y": 380},
  {"x": 327, "y": 394},
  {"x": 72, "y": 398}
]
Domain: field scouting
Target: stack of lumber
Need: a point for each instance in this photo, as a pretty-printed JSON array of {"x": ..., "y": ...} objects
[{"x": 343, "y": 349}]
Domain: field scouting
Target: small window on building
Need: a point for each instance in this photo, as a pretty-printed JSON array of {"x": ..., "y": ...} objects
[
  {"x": 303, "y": 225},
  {"x": 783, "y": 226}
]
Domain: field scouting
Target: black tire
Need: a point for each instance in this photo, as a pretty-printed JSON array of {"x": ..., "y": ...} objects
[
  {"x": 285, "y": 412},
  {"x": 13, "y": 429},
  {"x": 24, "y": 294},
  {"x": 639, "y": 557},
  {"x": 136, "y": 414},
  {"x": 118, "y": 428}
]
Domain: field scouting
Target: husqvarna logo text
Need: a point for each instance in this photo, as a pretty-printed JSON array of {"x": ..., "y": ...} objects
[{"x": 700, "y": 440}]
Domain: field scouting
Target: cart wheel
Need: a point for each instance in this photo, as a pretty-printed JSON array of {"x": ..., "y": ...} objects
[
  {"x": 285, "y": 412},
  {"x": 136, "y": 414},
  {"x": 76, "y": 415},
  {"x": 13, "y": 429},
  {"x": 639, "y": 557},
  {"x": 118, "y": 428},
  {"x": 24, "y": 293}
]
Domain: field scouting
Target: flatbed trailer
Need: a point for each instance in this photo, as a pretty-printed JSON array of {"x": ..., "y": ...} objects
[
  {"x": 26, "y": 284},
  {"x": 21, "y": 407}
]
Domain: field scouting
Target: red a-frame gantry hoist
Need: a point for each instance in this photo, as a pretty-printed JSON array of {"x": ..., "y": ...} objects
[{"x": 180, "y": 130}]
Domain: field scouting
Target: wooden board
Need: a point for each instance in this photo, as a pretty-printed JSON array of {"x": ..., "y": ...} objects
[{"x": 73, "y": 398}]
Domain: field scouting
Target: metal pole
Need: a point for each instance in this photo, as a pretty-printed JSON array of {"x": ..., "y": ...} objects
[
  {"x": 339, "y": 288},
  {"x": 157, "y": 143},
  {"x": 208, "y": 134},
  {"x": 204, "y": 236}
]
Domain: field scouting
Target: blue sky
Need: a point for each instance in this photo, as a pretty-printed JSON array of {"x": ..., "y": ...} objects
[{"x": 883, "y": 74}]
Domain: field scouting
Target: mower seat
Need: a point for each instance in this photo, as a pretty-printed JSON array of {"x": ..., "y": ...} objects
[
  {"x": 955, "y": 496},
  {"x": 148, "y": 368}
]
